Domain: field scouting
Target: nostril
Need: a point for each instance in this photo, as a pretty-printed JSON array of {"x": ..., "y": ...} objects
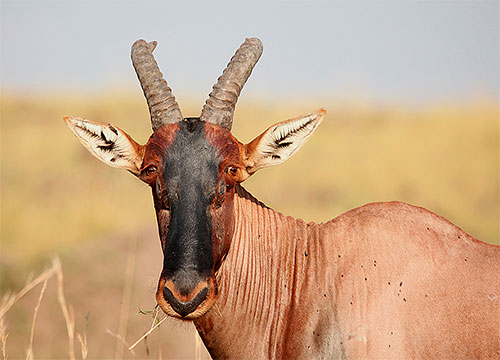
[{"x": 184, "y": 308}]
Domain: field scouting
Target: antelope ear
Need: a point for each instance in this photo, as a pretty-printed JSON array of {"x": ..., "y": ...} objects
[
  {"x": 280, "y": 141},
  {"x": 108, "y": 143}
]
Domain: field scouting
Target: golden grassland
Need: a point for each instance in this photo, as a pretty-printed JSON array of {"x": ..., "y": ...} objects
[{"x": 56, "y": 198}]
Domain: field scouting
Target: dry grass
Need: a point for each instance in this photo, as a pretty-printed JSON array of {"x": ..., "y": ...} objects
[
  {"x": 120, "y": 339},
  {"x": 68, "y": 314},
  {"x": 3, "y": 336},
  {"x": 83, "y": 345},
  {"x": 156, "y": 324},
  {"x": 30, "y": 355},
  {"x": 69, "y": 319},
  {"x": 10, "y": 299}
]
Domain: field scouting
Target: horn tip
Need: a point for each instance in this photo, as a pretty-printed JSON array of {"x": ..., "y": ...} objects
[
  {"x": 138, "y": 42},
  {"x": 141, "y": 43},
  {"x": 254, "y": 41},
  {"x": 152, "y": 45}
]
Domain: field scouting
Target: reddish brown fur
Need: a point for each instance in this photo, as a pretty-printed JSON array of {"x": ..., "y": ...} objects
[
  {"x": 158, "y": 143},
  {"x": 231, "y": 150},
  {"x": 154, "y": 152},
  {"x": 384, "y": 281}
]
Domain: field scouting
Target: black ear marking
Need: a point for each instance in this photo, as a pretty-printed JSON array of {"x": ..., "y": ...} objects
[
  {"x": 284, "y": 144},
  {"x": 108, "y": 147},
  {"x": 106, "y": 140},
  {"x": 109, "y": 144},
  {"x": 116, "y": 157},
  {"x": 280, "y": 142},
  {"x": 87, "y": 130},
  {"x": 113, "y": 130}
]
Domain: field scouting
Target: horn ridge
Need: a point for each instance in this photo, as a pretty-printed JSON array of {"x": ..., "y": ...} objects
[
  {"x": 221, "y": 102},
  {"x": 163, "y": 108}
]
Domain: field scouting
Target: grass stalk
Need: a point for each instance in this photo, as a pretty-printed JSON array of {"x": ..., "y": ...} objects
[
  {"x": 30, "y": 355},
  {"x": 68, "y": 314},
  {"x": 147, "y": 333},
  {"x": 10, "y": 299},
  {"x": 121, "y": 339},
  {"x": 3, "y": 337},
  {"x": 83, "y": 344}
]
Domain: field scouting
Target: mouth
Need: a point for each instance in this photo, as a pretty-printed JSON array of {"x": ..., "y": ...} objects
[{"x": 186, "y": 306}]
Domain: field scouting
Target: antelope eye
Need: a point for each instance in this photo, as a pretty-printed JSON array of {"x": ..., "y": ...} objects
[
  {"x": 231, "y": 170},
  {"x": 149, "y": 171}
]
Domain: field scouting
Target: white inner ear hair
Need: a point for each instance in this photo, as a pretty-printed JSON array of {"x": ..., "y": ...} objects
[
  {"x": 106, "y": 142},
  {"x": 282, "y": 140}
]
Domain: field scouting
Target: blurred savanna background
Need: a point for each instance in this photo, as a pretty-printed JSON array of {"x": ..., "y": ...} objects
[{"x": 412, "y": 93}]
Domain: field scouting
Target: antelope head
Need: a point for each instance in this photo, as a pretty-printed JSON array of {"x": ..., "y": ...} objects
[{"x": 193, "y": 166}]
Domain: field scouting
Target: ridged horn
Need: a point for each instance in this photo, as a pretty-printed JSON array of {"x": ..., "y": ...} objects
[
  {"x": 219, "y": 107},
  {"x": 161, "y": 102}
]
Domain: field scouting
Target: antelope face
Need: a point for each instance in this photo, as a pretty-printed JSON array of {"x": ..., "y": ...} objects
[{"x": 192, "y": 166}]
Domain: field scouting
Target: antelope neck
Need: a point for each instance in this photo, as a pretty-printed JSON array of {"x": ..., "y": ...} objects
[{"x": 261, "y": 280}]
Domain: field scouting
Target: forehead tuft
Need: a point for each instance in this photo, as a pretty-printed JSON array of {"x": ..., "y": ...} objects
[{"x": 192, "y": 123}]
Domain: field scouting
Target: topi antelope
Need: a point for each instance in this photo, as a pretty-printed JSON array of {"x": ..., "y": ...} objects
[{"x": 386, "y": 280}]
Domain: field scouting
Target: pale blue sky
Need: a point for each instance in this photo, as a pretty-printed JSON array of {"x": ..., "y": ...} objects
[{"x": 404, "y": 51}]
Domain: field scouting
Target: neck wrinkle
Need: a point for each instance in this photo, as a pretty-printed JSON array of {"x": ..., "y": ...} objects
[{"x": 260, "y": 279}]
